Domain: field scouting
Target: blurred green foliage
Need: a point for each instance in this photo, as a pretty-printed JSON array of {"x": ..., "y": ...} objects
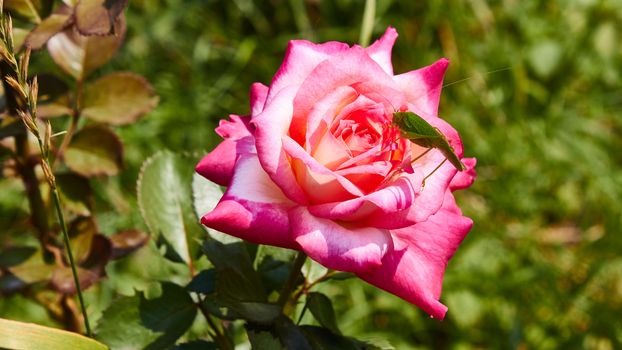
[{"x": 534, "y": 88}]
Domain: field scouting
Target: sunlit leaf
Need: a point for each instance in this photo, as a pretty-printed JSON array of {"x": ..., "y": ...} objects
[
  {"x": 165, "y": 200},
  {"x": 46, "y": 29},
  {"x": 95, "y": 150},
  {"x": 118, "y": 98},
  {"x": 79, "y": 55},
  {"x": 97, "y": 17},
  {"x": 322, "y": 309},
  {"x": 20, "y": 335},
  {"x": 138, "y": 323},
  {"x": 126, "y": 242}
]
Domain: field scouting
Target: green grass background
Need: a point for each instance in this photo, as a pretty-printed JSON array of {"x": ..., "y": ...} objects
[{"x": 537, "y": 100}]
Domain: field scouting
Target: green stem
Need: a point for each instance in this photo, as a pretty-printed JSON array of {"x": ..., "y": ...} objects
[
  {"x": 367, "y": 26},
  {"x": 61, "y": 220},
  {"x": 290, "y": 284}
]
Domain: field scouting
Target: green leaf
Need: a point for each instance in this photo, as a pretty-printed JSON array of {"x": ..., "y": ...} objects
[
  {"x": 260, "y": 313},
  {"x": 196, "y": 345},
  {"x": 235, "y": 276},
  {"x": 323, "y": 339},
  {"x": 291, "y": 335},
  {"x": 204, "y": 282},
  {"x": 263, "y": 339},
  {"x": 165, "y": 200},
  {"x": 95, "y": 150},
  {"x": 47, "y": 29},
  {"x": 322, "y": 309},
  {"x": 274, "y": 265},
  {"x": 35, "y": 269},
  {"x": 118, "y": 98},
  {"x": 79, "y": 55},
  {"x": 16, "y": 255},
  {"x": 126, "y": 242},
  {"x": 75, "y": 193},
  {"x": 20, "y": 335},
  {"x": 97, "y": 17},
  {"x": 138, "y": 323}
]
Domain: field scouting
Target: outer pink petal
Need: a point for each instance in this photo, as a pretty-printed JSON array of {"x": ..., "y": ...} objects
[
  {"x": 258, "y": 95},
  {"x": 358, "y": 250},
  {"x": 380, "y": 50},
  {"x": 271, "y": 126},
  {"x": 423, "y": 86},
  {"x": 235, "y": 128},
  {"x": 464, "y": 179},
  {"x": 300, "y": 59},
  {"x": 217, "y": 166},
  {"x": 253, "y": 208},
  {"x": 414, "y": 269}
]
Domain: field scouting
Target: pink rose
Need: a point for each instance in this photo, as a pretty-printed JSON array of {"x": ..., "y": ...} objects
[{"x": 318, "y": 167}]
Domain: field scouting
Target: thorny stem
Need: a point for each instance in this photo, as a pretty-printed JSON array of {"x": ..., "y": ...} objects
[{"x": 290, "y": 284}]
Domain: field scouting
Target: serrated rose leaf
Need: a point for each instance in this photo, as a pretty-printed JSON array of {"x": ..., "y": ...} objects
[
  {"x": 79, "y": 55},
  {"x": 95, "y": 150},
  {"x": 46, "y": 29},
  {"x": 97, "y": 17},
  {"x": 118, "y": 98},
  {"x": 165, "y": 199}
]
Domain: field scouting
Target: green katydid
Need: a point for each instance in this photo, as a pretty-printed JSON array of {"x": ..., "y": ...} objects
[{"x": 421, "y": 133}]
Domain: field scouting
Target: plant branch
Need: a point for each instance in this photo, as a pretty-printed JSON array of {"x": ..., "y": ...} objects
[{"x": 290, "y": 284}]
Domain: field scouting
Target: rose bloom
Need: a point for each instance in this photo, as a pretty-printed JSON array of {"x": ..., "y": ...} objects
[{"x": 318, "y": 166}]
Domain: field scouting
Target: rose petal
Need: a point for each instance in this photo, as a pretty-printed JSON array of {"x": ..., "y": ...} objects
[
  {"x": 423, "y": 86},
  {"x": 300, "y": 59},
  {"x": 358, "y": 250},
  {"x": 258, "y": 95},
  {"x": 344, "y": 68},
  {"x": 464, "y": 179},
  {"x": 320, "y": 183},
  {"x": 380, "y": 50},
  {"x": 324, "y": 111},
  {"x": 217, "y": 166},
  {"x": 414, "y": 269},
  {"x": 270, "y": 127},
  {"x": 252, "y": 207},
  {"x": 235, "y": 128},
  {"x": 395, "y": 198}
]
